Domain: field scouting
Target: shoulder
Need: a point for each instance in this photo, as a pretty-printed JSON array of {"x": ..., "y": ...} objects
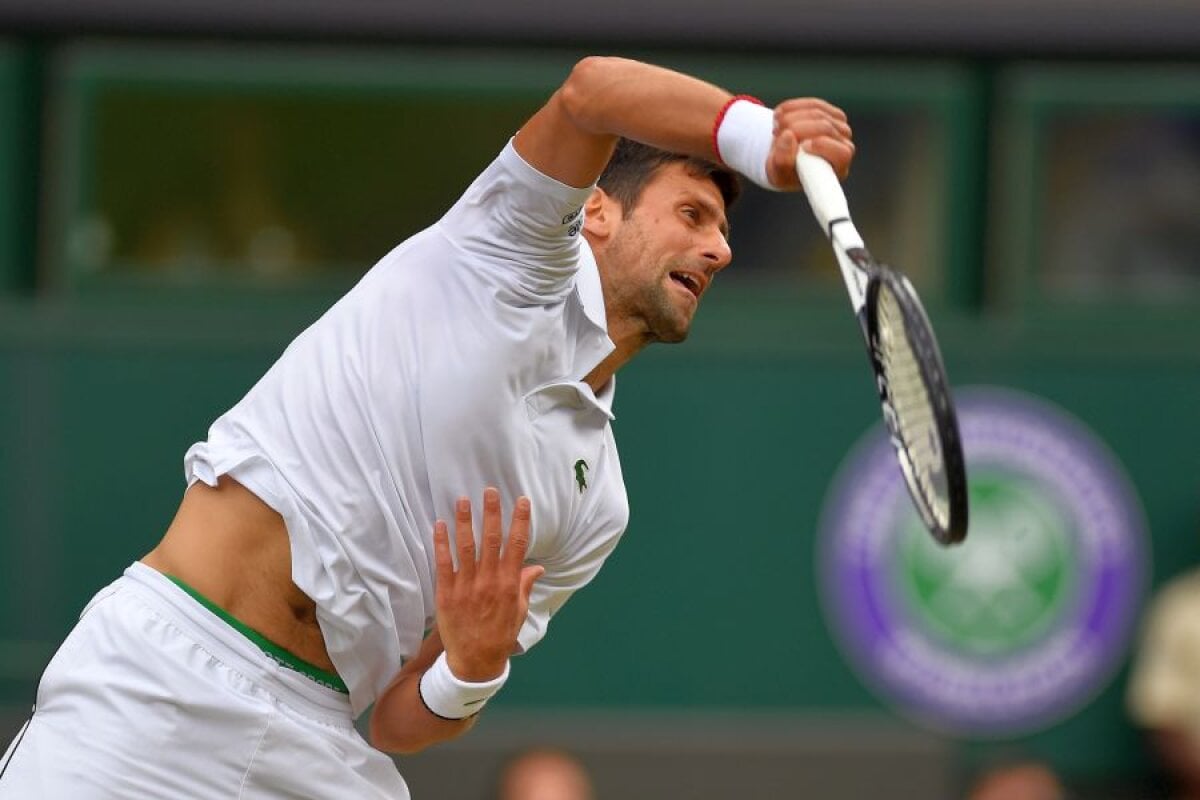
[
  {"x": 521, "y": 226},
  {"x": 513, "y": 192}
]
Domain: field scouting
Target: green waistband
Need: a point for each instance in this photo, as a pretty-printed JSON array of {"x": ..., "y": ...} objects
[{"x": 273, "y": 651}]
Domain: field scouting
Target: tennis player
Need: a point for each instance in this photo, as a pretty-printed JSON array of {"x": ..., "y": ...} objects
[{"x": 469, "y": 377}]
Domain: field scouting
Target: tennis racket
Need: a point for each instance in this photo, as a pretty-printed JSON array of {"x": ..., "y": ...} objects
[{"x": 909, "y": 374}]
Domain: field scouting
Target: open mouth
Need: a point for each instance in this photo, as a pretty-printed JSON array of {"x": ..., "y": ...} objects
[{"x": 687, "y": 281}]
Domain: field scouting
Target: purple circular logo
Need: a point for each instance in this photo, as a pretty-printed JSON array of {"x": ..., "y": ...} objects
[{"x": 1023, "y": 623}]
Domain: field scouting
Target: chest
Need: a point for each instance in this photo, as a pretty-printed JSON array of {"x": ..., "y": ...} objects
[{"x": 553, "y": 444}]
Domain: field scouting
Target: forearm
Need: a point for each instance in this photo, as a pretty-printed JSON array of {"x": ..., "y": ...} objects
[
  {"x": 650, "y": 104},
  {"x": 400, "y": 722},
  {"x": 572, "y": 137}
]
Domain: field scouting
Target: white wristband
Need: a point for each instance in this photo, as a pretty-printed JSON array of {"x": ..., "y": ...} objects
[
  {"x": 449, "y": 697},
  {"x": 744, "y": 135}
]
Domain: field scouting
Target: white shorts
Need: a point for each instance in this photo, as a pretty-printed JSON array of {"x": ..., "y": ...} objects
[{"x": 153, "y": 696}]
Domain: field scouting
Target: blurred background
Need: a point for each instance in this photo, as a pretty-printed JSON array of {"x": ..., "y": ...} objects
[{"x": 185, "y": 186}]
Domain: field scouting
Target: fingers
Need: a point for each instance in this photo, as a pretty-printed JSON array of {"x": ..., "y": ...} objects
[
  {"x": 496, "y": 553},
  {"x": 838, "y": 153},
  {"x": 529, "y": 576},
  {"x": 493, "y": 533},
  {"x": 811, "y": 103},
  {"x": 464, "y": 538},
  {"x": 819, "y": 127},
  {"x": 782, "y": 167},
  {"x": 518, "y": 535},
  {"x": 811, "y": 117},
  {"x": 443, "y": 561}
]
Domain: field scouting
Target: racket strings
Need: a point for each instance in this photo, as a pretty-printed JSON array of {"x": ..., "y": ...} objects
[{"x": 914, "y": 420}]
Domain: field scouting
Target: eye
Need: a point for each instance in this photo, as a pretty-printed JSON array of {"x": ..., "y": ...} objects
[{"x": 691, "y": 213}]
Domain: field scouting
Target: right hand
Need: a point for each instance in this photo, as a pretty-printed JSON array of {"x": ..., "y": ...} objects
[
  {"x": 817, "y": 126},
  {"x": 482, "y": 605}
]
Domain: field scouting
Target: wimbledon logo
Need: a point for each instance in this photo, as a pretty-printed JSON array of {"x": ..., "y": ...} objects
[{"x": 1026, "y": 621}]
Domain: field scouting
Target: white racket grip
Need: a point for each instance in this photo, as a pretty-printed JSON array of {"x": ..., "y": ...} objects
[
  {"x": 828, "y": 203},
  {"x": 823, "y": 188}
]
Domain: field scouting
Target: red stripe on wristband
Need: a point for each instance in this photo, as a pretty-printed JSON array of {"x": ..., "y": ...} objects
[{"x": 721, "y": 118}]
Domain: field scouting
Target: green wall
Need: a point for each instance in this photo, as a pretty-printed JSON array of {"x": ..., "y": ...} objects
[
  {"x": 729, "y": 442},
  {"x": 18, "y": 125}
]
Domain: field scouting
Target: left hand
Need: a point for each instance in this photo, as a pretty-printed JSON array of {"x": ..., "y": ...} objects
[{"x": 482, "y": 605}]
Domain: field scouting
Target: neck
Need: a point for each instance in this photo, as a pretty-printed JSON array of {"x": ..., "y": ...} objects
[{"x": 626, "y": 347}]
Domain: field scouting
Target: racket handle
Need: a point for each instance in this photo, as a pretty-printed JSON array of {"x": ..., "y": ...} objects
[{"x": 823, "y": 188}]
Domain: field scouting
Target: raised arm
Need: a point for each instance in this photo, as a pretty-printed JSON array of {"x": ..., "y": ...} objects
[{"x": 572, "y": 137}]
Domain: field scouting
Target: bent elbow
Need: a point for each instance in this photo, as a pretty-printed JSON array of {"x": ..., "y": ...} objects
[{"x": 588, "y": 78}]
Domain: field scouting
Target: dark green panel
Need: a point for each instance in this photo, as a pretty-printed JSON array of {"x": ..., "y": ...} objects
[
  {"x": 17, "y": 168},
  {"x": 729, "y": 448},
  {"x": 96, "y": 410},
  {"x": 729, "y": 444},
  {"x": 726, "y": 463},
  {"x": 128, "y": 418},
  {"x": 33, "y": 497}
]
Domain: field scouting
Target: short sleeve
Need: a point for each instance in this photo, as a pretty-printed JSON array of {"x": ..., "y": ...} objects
[{"x": 525, "y": 225}]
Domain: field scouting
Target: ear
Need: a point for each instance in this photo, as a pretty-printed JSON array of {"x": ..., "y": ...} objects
[{"x": 601, "y": 215}]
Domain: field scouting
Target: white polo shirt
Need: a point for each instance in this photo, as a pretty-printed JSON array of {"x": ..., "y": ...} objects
[{"x": 456, "y": 363}]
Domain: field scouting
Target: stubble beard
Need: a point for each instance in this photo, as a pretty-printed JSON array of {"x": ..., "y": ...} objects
[
  {"x": 666, "y": 322},
  {"x": 650, "y": 299}
]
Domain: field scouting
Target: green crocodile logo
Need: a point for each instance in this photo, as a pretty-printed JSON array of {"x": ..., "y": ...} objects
[{"x": 581, "y": 467}]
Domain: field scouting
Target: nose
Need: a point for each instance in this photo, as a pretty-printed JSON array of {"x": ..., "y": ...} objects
[{"x": 717, "y": 251}]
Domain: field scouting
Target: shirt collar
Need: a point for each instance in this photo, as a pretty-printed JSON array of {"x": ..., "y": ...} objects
[
  {"x": 587, "y": 285},
  {"x": 594, "y": 345}
]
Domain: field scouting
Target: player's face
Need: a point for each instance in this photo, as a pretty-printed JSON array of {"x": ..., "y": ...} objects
[{"x": 664, "y": 254}]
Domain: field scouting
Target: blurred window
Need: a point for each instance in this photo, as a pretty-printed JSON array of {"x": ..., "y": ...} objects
[
  {"x": 235, "y": 167},
  {"x": 1101, "y": 168},
  {"x": 1122, "y": 206},
  {"x": 280, "y": 169}
]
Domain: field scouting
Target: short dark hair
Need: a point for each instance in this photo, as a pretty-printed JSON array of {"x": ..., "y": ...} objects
[{"x": 633, "y": 164}]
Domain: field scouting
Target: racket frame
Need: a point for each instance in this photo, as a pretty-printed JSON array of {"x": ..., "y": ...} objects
[{"x": 864, "y": 279}]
